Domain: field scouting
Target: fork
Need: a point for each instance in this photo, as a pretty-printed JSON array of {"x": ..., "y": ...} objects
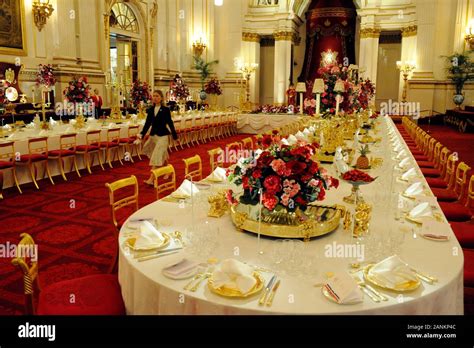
[{"x": 191, "y": 282}]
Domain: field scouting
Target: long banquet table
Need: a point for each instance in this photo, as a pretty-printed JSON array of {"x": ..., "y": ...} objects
[
  {"x": 146, "y": 290},
  {"x": 261, "y": 123}
]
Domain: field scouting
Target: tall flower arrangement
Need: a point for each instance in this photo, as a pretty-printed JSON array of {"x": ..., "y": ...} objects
[
  {"x": 213, "y": 86},
  {"x": 366, "y": 93},
  {"x": 78, "y": 90},
  {"x": 140, "y": 92},
  {"x": 179, "y": 89},
  {"x": 288, "y": 177},
  {"x": 45, "y": 75}
]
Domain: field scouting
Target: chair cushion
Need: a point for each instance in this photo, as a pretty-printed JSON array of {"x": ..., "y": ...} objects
[
  {"x": 426, "y": 164},
  {"x": 437, "y": 183},
  {"x": 464, "y": 232},
  {"x": 455, "y": 211},
  {"x": 445, "y": 195},
  {"x": 431, "y": 172},
  {"x": 56, "y": 153},
  {"x": 6, "y": 164},
  {"x": 417, "y": 152},
  {"x": 93, "y": 295},
  {"x": 84, "y": 148},
  {"x": 420, "y": 158},
  {"x": 107, "y": 144},
  {"x": 468, "y": 268},
  {"x": 34, "y": 157},
  {"x": 126, "y": 140}
]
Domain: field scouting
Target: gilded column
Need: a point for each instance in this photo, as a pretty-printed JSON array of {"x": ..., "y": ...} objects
[{"x": 368, "y": 52}]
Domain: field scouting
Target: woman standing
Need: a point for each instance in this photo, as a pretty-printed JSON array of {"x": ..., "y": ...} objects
[{"x": 159, "y": 119}]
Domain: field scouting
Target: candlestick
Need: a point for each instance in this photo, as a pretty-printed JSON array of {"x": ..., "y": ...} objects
[
  {"x": 318, "y": 101},
  {"x": 338, "y": 101},
  {"x": 260, "y": 221}
]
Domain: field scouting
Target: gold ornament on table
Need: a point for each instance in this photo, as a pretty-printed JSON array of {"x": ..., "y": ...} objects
[
  {"x": 362, "y": 219},
  {"x": 218, "y": 205},
  {"x": 141, "y": 112}
]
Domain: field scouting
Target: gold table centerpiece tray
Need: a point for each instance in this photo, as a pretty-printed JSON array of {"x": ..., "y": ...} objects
[
  {"x": 408, "y": 286},
  {"x": 320, "y": 220},
  {"x": 234, "y": 293},
  {"x": 130, "y": 242}
]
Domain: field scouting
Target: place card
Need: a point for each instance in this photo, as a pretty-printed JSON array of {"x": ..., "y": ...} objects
[
  {"x": 435, "y": 230},
  {"x": 344, "y": 288}
]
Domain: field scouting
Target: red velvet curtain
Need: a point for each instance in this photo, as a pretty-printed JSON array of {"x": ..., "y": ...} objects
[{"x": 330, "y": 24}]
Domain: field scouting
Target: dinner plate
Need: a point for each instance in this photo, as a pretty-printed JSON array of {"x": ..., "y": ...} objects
[
  {"x": 234, "y": 293},
  {"x": 130, "y": 242},
  {"x": 180, "y": 196},
  {"x": 409, "y": 285},
  {"x": 332, "y": 299}
]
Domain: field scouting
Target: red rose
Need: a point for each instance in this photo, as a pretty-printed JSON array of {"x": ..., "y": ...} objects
[
  {"x": 300, "y": 201},
  {"x": 296, "y": 167},
  {"x": 313, "y": 168},
  {"x": 269, "y": 201},
  {"x": 265, "y": 159},
  {"x": 245, "y": 183},
  {"x": 257, "y": 174},
  {"x": 334, "y": 183},
  {"x": 322, "y": 194},
  {"x": 267, "y": 140},
  {"x": 272, "y": 183},
  {"x": 306, "y": 178}
]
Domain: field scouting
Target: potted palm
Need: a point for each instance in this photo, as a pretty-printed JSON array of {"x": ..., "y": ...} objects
[
  {"x": 460, "y": 70},
  {"x": 205, "y": 70}
]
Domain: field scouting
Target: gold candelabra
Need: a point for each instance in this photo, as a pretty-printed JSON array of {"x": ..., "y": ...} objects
[
  {"x": 115, "y": 88},
  {"x": 248, "y": 69},
  {"x": 406, "y": 67}
]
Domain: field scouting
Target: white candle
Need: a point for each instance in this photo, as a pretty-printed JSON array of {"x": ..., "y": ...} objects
[
  {"x": 318, "y": 101},
  {"x": 338, "y": 100}
]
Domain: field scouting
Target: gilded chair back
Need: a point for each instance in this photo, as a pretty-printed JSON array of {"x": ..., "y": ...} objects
[
  {"x": 461, "y": 179},
  {"x": 68, "y": 141},
  {"x": 133, "y": 131},
  {"x": 113, "y": 135},
  {"x": 38, "y": 146},
  {"x": 27, "y": 261},
  {"x": 7, "y": 151},
  {"x": 216, "y": 157},
  {"x": 164, "y": 180},
  {"x": 436, "y": 153},
  {"x": 189, "y": 164},
  {"x": 93, "y": 137},
  {"x": 443, "y": 160},
  {"x": 247, "y": 144},
  {"x": 117, "y": 204},
  {"x": 470, "y": 193},
  {"x": 450, "y": 170}
]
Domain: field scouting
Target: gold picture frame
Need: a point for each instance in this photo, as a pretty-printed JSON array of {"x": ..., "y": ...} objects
[{"x": 13, "y": 38}]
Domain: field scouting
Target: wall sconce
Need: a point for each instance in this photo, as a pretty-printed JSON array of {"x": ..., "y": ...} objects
[
  {"x": 406, "y": 68},
  {"x": 469, "y": 38},
  {"x": 42, "y": 9},
  {"x": 199, "y": 47}
]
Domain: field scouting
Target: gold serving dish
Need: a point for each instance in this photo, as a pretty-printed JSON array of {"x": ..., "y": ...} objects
[
  {"x": 409, "y": 285},
  {"x": 320, "y": 220},
  {"x": 234, "y": 293},
  {"x": 130, "y": 242}
]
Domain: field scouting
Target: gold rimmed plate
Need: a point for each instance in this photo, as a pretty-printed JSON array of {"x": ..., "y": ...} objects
[
  {"x": 409, "y": 285},
  {"x": 214, "y": 179},
  {"x": 130, "y": 242},
  {"x": 332, "y": 299},
  {"x": 179, "y": 196},
  {"x": 234, "y": 293}
]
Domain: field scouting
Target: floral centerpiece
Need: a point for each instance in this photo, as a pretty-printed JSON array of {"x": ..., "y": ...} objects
[
  {"x": 78, "y": 90},
  {"x": 274, "y": 109},
  {"x": 179, "y": 90},
  {"x": 140, "y": 93},
  {"x": 286, "y": 175},
  {"x": 366, "y": 93},
  {"x": 213, "y": 87},
  {"x": 45, "y": 76}
]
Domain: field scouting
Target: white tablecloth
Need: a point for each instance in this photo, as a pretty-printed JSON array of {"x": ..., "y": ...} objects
[
  {"x": 260, "y": 123},
  {"x": 146, "y": 291}
]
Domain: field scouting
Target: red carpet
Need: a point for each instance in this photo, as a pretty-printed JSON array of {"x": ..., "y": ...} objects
[{"x": 71, "y": 222}]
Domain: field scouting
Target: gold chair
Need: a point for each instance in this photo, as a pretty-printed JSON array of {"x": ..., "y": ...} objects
[
  {"x": 194, "y": 174},
  {"x": 247, "y": 144},
  {"x": 7, "y": 162},
  {"x": 91, "y": 149},
  {"x": 55, "y": 298},
  {"x": 112, "y": 144},
  {"x": 131, "y": 200},
  {"x": 67, "y": 144},
  {"x": 38, "y": 152},
  {"x": 461, "y": 180},
  {"x": 164, "y": 180},
  {"x": 128, "y": 144},
  {"x": 216, "y": 158}
]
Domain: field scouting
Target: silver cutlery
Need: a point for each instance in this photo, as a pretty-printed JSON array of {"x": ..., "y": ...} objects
[
  {"x": 141, "y": 255},
  {"x": 376, "y": 293},
  {"x": 199, "y": 282},
  {"x": 151, "y": 257},
  {"x": 262, "y": 299},
  {"x": 272, "y": 294},
  {"x": 368, "y": 293},
  {"x": 191, "y": 282}
]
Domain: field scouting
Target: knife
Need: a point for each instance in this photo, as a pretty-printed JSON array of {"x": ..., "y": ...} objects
[
  {"x": 267, "y": 290},
  {"x": 153, "y": 253},
  {"x": 272, "y": 295},
  {"x": 165, "y": 253}
]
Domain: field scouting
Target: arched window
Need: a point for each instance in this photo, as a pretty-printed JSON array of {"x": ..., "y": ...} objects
[{"x": 122, "y": 17}]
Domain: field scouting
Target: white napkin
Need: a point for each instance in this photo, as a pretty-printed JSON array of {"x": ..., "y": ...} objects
[
  {"x": 219, "y": 174},
  {"x": 306, "y": 132},
  {"x": 421, "y": 210},
  {"x": 409, "y": 174},
  {"x": 393, "y": 272},
  {"x": 344, "y": 287},
  {"x": 435, "y": 230},
  {"x": 402, "y": 154},
  {"x": 301, "y": 136},
  {"x": 414, "y": 189},
  {"x": 234, "y": 275},
  {"x": 186, "y": 188},
  {"x": 149, "y": 236},
  {"x": 292, "y": 140},
  {"x": 52, "y": 122},
  {"x": 284, "y": 141},
  {"x": 404, "y": 162},
  {"x": 7, "y": 127},
  {"x": 312, "y": 129}
]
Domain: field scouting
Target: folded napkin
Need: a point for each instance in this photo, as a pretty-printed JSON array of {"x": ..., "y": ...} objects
[
  {"x": 301, "y": 136},
  {"x": 404, "y": 162},
  {"x": 409, "y": 174},
  {"x": 149, "y": 237},
  {"x": 306, "y": 132},
  {"x": 292, "y": 140},
  {"x": 421, "y": 210},
  {"x": 402, "y": 154},
  {"x": 187, "y": 189},
  {"x": 284, "y": 141},
  {"x": 312, "y": 129},
  {"x": 219, "y": 174},
  {"x": 393, "y": 272},
  {"x": 435, "y": 230},
  {"x": 53, "y": 122},
  {"x": 414, "y": 189},
  {"x": 7, "y": 127},
  {"x": 234, "y": 274},
  {"x": 343, "y": 288}
]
